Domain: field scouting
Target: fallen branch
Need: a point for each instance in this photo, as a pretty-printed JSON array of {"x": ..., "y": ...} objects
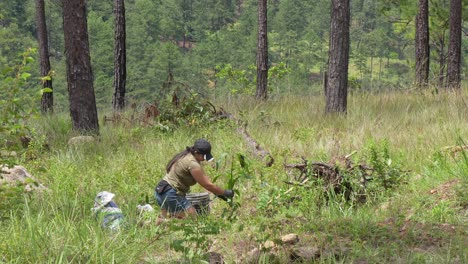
[
  {"x": 303, "y": 183},
  {"x": 257, "y": 149},
  {"x": 251, "y": 142}
]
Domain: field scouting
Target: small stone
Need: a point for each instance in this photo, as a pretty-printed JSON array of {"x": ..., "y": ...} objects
[
  {"x": 215, "y": 258},
  {"x": 252, "y": 256},
  {"x": 80, "y": 140},
  {"x": 304, "y": 253},
  {"x": 19, "y": 174},
  {"x": 290, "y": 239},
  {"x": 268, "y": 245},
  {"x": 6, "y": 153}
]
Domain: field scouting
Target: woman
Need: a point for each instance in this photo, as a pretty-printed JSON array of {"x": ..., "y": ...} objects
[{"x": 183, "y": 171}]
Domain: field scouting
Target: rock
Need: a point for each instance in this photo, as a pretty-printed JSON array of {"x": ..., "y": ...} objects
[
  {"x": 12, "y": 176},
  {"x": 80, "y": 140},
  {"x": 306, "y": 254},
  {"x": 215, "y": 258},
  {"x": 337, "y": 253},
  {"x": 252, "y": 256},
  {"x": 6, "y": 153},
  {"x": 290, "y": 239},
  {"x": 268, "y": 245},
  {"x": 384, "y": 206}
]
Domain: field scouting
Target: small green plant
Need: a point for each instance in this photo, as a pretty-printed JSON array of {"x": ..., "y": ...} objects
[
  {"x": 266, "y": 199},
  {"x": 236, "y": 174},
  {"x": 382, "y": 174},
  {"x": 195, "y": 238},
  {"x": 442, "y": 212},
  {"x": 36, "y": 146}
]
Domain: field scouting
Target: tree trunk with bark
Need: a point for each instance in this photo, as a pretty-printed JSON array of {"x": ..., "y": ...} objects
[
  {"x": 439, "y": 45},
  {"x": 47, "y": 100},
  {"x": 338, "y": 58},
  {"x": 81, "y": 96},
  {"x": 454, "y": 48},
  {"x": 120, "y": 57},
  {"x": 422, "y": 44},
  {"x": 262, "y": 52}
]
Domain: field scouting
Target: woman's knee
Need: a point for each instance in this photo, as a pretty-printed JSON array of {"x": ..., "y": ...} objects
[{"x": 191, "y": 211}]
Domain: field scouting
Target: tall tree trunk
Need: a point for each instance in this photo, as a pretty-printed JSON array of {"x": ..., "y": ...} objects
[
  {"x": 338, "y": 58},
  {"x": 440, "y": 50},
  {"x": 120, "y": 56},
  {"x": 81, "y": 96},
  {"x": 422, "y": 44},
  {"x": 47, "y": 100},
  {"x": 454, "y": 48},
  {"x": 262, "y": 52}
]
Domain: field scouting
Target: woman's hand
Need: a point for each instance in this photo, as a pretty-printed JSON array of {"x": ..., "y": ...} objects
[{"x": 228, "y": 194}]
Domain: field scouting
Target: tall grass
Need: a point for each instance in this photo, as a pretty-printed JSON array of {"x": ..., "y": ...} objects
[{"x": 406, "y": 226}]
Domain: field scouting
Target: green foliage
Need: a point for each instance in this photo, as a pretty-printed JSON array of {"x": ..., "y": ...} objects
[
  {"x": 244, "y": 80},
  {"x": 12, "y": 199},
  {"x": 195, "y": 237},
  {"x": 187, "y": 109},
  {"x": 221, "y": 33},
  {"x": 385, "y": 173},
  {"x": 237, "y": 172},
  {"x": 385, "y": 176},
  {"x": 462, "y": 193},
  {"x": 17, "y": 107},
  {"x": 101, "y": 42},
  {"x": 16, "y": 103},
  {"x": 462, "y": 164}
]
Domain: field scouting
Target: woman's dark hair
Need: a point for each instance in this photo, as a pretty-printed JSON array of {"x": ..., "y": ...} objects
[{"x": 179, "y": 156}]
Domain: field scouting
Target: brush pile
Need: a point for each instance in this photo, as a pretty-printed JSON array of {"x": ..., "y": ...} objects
[{"x": 343, "y": 176}]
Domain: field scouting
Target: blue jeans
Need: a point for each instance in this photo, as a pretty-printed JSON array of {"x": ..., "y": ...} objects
[{"x": 171, "y": 202}]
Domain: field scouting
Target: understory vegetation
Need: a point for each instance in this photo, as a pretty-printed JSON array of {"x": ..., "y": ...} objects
[{"x": 415, "y": 209}]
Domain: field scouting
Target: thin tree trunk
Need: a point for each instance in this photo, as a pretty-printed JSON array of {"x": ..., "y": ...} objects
[
  {"x": 262, "y": 52},
  {"x": 337, "y": 85},
  {"x": 441, "y": 61},
  {"x": 47, "y": 100},
  {"x": 120, "y": 56},
  {"x": 454, "y": 49},
  {"x": 380, "y": 68},
  {"x": 83, "y": 109},
  {"x": 422, "y": 50},
  {"x": 371, "y": 71}
]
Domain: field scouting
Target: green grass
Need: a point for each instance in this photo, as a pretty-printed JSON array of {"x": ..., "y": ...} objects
[{"x": 408, "y": 225}]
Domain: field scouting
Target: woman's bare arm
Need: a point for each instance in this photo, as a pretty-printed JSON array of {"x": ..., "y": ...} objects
[{"x": 200, "y": 176}]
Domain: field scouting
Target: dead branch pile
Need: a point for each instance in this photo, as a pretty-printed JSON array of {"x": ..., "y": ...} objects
[{"x": 333, "y": 175}]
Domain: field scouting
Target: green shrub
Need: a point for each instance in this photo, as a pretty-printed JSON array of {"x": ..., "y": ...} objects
[
  {"x": 16, "y": 102},
  {"x": 381, "y": 176}
]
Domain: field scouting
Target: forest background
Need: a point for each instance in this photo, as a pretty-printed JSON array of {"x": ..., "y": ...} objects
[
  {"x": 205, "y": 44},
  {"x": 415, "y": 206}
]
